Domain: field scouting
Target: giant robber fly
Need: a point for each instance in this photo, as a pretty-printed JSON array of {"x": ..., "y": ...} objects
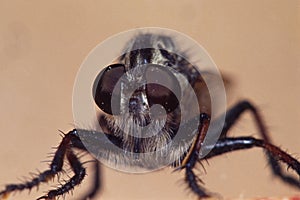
[{"x": 125, "y": 92}]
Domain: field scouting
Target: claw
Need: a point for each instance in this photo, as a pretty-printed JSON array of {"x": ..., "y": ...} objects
[
  {"x": 42, "y": 197},
  {"x": 46, "y": 198},
  {"x": 4, "y": 195}
]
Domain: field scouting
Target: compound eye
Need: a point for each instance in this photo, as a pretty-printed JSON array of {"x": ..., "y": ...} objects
[
  {"x": 106, "y": 85},
  {"x": 162, "y": 88}
]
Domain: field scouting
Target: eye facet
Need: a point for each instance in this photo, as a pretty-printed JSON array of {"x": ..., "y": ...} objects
[
  {"x": 105, "y": 86},
  {"x": 162, "y": 88}
]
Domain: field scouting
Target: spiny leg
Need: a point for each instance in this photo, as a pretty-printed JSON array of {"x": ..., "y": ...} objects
[
  {"x": 193, "y": 183},
  {"x": 96, "y": 185},
  {"x": 70, "y": 140},
  {"x": 79, "y": 174},
  {"x": 55, "y": 168},
  {"x": 192, "y": 158},
  {"x": 231, "y": 118},
  {"x": 226, "y": 145}
]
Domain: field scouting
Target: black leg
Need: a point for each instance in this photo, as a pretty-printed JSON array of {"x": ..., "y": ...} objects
[
  {"x": 64, "y": 150},
  {"x": 70, "y": 184},
  {"x": 192, "y": 156},
  {"x": 234, "y": 114},
  {"x": 96, "y": 186},
  {"x": 226, "y": 145},
  {"x": 193, "y": 183}
]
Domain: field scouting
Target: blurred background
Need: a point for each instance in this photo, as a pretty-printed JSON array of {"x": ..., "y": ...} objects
[{"x": 255, "y": 43}]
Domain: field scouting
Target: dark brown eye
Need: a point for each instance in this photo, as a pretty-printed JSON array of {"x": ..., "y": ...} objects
[
  {"x": 106, "y": 85},
  {"x": 162, "y": 88}
]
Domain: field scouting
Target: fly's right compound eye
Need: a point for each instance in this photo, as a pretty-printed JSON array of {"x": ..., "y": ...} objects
[
  {"x": 163, "y": 87},
  {"x": 105, "y": 86}
]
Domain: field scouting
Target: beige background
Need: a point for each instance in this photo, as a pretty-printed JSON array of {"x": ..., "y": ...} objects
[{"x": 42, "y": 44}]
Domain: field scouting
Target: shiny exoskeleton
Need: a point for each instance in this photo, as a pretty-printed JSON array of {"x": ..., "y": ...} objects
[{"x": 121, "y": 121}]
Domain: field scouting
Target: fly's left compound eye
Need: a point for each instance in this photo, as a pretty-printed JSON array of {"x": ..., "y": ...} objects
[
  {"x": 105, "y": 86},
  {"x": 162, "y": 88}
]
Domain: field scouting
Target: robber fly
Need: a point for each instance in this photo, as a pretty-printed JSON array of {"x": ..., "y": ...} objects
[{"x": 125, "y": 92}]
